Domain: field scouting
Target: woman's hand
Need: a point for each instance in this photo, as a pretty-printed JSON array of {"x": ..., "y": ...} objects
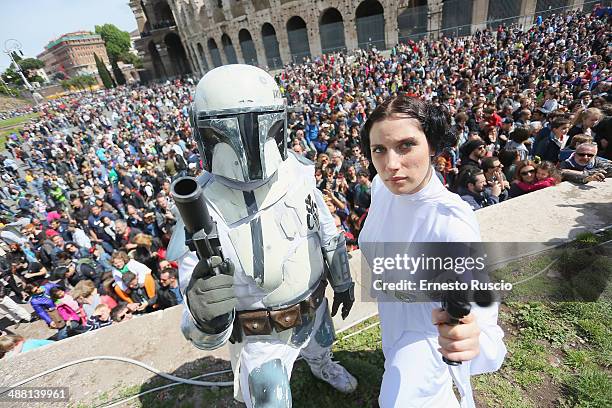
[{"x": 457, "y": 342}]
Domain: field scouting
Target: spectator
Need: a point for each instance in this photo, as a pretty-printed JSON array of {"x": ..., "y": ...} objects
[
  {"x": 12, "y": 310},
  {"x": 524, "y": 173},
  {"x": 585, "y": 166},
  {"x": 122, "y": 312},
  {"x": 12, "y": 344},
  {"x": 100, "y": 318},
  {"x": 362, "y": 194},
  {"x": 518, "y": 137},
  {"x": 548, "y": 149},
  {"x": 584, "y": 123},
  {"x": 473, "y": 151},
  {"x": 169, "y": 291},
  {"x": 493, "y": 172},
  {"x": 564, "y": 154},
  {"x": 143, "y": 294},
  {"x": 546, "y": 175},
  {"x": 125, "y": 235},
  {"x": 69, "y": 310},
  {"x": 473, "y": 188}
]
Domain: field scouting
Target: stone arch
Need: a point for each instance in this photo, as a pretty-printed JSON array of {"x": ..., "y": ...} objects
[
  {"x": 503, "y": 12},
  {"x": 177, "y": 54},
  {"x": 249, "y": 53},
  {"x": 202, "y": 56},
  {"x": 412, "y": 21},
  {"x": 297, "y": 34},
  {"x": 159, "y": 70},
  {"x": 163, "y": 15},
  {"x": 546, "y": 8},
  {"x": 215, "y": 55},
  {"x": 331, "y": 31},
  {"x": 370, "y": 23},
  {"x": 457, "y": 17},
  {"x": 270, "y": 42},
  {"x": 228, "y": 49}
]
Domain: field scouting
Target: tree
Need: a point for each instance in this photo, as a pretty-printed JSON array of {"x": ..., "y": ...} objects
[
  {"x": 133, "y": 59},
  {"x": 27, "y": 65},
  {"x": 117, "y": 73},
  {"x": 117, "y": 42},
  {"x": 59, "y": 76},
  {"x": 89, "y": 80},
  {"x": 11, "y": 76},
  {"x": 105, "y": 76},
  {"x": 79, "y": 82},
  {"x": 30, "y": 63}
]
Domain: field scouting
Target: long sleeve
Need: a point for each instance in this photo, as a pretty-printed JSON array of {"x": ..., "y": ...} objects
[
  {"x": 549, "y": 182},
  {"x": 492, "y": 348},
  {"x": 41, "y": 311}
]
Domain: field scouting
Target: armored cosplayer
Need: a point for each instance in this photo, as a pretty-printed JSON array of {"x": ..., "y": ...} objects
[{"x": 259, "y": 245}]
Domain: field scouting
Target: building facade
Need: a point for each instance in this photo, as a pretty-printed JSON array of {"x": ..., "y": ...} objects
[
  {"x": 182, "y": 36},
  {"x": 73, "y": 54}
]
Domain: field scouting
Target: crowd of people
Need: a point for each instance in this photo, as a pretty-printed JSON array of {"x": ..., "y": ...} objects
[{"x": 90, "y": 177}]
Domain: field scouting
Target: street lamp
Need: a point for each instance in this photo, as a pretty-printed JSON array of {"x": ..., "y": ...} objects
[{"x": 11, "y": 45}]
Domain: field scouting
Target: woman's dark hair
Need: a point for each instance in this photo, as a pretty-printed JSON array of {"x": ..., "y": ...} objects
[
  {"x": 434, "y": 120},
  {"x": 519, "y": 168}
]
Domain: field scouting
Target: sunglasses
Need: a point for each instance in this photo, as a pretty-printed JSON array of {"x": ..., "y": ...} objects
[
  {"x": 589, "y": 155},
  {"x": 527, "y": 172}
]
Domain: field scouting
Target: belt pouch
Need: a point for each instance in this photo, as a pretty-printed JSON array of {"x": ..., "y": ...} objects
[
  {"x": 255, "y": 323},
  {"x": 286, "y": 318}
]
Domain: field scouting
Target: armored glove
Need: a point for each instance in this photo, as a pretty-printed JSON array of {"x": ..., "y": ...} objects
[
  {"x": 346, "y": 299},
  {"x": 210, "y": 298}
]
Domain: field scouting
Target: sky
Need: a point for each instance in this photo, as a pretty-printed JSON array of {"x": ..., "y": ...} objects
[{"x": 36, "y": 22}]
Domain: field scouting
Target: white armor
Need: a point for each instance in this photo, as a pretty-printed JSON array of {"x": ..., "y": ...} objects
[
  {"x": 272, "y": 224},
  {"x": 276, "y": 245}
]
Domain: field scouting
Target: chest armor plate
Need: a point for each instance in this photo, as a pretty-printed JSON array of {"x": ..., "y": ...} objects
[{"x": 278, "y": 247}]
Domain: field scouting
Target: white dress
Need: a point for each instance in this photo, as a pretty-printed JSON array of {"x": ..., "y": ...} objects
[{"x": 415, "y": 375}]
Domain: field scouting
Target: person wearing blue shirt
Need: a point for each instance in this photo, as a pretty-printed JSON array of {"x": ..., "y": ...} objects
[
  {"x": 169, "y": 293},
  {"x": 312, "y": 130}
]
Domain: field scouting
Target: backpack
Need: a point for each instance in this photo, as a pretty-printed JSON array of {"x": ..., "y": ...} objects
[{"x": 88, "y": 268}]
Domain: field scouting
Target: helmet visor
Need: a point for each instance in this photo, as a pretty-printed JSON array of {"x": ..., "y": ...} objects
[{"x": 247, "y": 134}]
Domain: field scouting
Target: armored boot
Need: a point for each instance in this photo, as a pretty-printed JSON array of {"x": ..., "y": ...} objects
[{"x": 324, "y": 368}]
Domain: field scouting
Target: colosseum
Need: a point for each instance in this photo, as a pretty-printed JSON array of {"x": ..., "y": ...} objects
[{"x": 183, "y": 36}]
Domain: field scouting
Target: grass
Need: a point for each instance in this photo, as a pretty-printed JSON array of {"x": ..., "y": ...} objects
[
  {"x": 18, "y": 120},
  {"x": 579, "y": 271},
  {"x": 13, "y": 125}
]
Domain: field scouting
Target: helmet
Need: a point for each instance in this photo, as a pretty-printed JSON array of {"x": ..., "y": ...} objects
[{"x": 239, "y": 119}]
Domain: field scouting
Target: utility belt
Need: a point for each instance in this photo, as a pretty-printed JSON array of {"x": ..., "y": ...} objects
[{"x": 261, "y": 322}]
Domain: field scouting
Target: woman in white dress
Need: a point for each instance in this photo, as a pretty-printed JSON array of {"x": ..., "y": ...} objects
[{"x": 410, "y": 204}]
